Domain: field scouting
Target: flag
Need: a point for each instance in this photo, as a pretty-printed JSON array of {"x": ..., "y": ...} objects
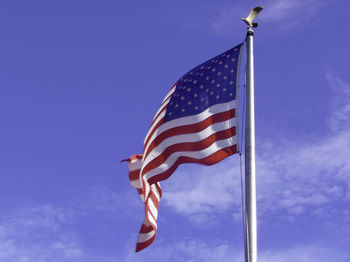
[{"x": 196, "y": 123}]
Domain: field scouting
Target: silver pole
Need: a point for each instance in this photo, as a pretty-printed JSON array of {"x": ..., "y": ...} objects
[{"x": 251, "y": 225}]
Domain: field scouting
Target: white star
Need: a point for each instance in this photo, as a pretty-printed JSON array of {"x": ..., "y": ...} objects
[
  {"x": 228, "y": 56},
  {"x": 232, "y": 70},
  {"x": 220, "y": 62},
  {"x": 219, "y": 73},
  {"x": 182, "y": 98},
  {"x": 212, "y": 92},
  {"x": 218, "y": 85},
  {"x": 213, "y": 69},
  {"x": 224, "y": 89},
  {"x": 195, "y": 95},
  {"x": 170, "y": 113},
  {"x": 183, "y": 110},
  {"x": 217, "y": 97},
  {"x": 207, "y": 78},
  {"x": 233, "y": 59},
  {"x": 226, "y": 66},
  {"x": 176, "y": 106},
  {"x": 188, "y": 89},
  {"x": 225, "y": 77},
  {"x": 196, "y": 107},
  {"x": 208, "y": 67},
  {"x": 212, "y": 81},
  {"x": 202, "y": 99},
  {"x": 231, "y": 83},
  {"x": 207, "y": 90},
  {"x": 189, "y": 103},
  {"x": 195, "y": 82},
  {"x": 230, "y": 94},
  {"x": 201, "y": 86}
]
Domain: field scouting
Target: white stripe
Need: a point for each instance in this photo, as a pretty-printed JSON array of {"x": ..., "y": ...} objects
[
  {"x": 162, "y": 106},
  {"x": 218, "y": 145},
  {"x": 151, "y": 219},
  {"x": 152, "y": 208},
  {"x": 155, "y": 190},
  {"x": 188, "y": 120},
  {"x": 193, "y": 137},
  {"x": 135, "y": 165},
  {"x": 172, "y": 90},
  {"x": 142, "y": 198},
  {"x": 136, "y": 184},
  {"x": 143, "y": 237},
  {"x": 154, "y": 124},
  {"x": 156, "y": 120}
]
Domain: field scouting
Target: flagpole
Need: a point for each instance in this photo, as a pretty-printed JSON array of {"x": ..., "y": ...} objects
[
  {"x": 250, "y": 183},
  {"x": 250, "y": 187}
]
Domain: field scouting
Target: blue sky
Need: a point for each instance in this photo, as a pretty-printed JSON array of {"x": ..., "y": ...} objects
[{"x": 80, "y": 82}]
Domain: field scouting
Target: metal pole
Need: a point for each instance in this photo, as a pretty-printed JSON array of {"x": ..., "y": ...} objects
[{"x": 251, "y": 225}]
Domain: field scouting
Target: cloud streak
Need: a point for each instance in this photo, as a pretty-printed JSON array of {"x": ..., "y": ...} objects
[
  {"x": 35, "y": 234},
  {"x": 280, "y": 14},
  {"x": 218, "y": 250}
]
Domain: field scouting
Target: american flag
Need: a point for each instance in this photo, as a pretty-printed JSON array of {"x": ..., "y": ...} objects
[{"x": 196, "y": 123}]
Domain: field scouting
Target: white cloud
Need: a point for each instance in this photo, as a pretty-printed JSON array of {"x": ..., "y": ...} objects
[
  {"x": 294, "y": 177},
  {"x": 340, "y": 117},
  {"x": 45, "y": 233},
  {"x": 35, "y": 234},
  {"x": 192, "y": 250}
]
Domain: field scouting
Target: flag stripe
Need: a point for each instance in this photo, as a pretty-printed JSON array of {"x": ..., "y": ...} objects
[
  {"x": 161, "y": 112},
  {"x": 143, "y": 237},
  {"x": 148, "y": 229},
  {"x": 188, "y": 146},
  {"x": 184, "y": 121},
  {"x": 186, "y": 138},
  {"x": 190, "y": 129},
  {"x": 218, "y": 145},
  {"x": 208, "y": 161},
  {"x": 143, "y": 245}
]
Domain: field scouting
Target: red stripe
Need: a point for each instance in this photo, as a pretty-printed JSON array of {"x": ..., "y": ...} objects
[
  {"x": 159, "y": 190},
  {"x": 155, "y": 200},
  {"x": 148, "y": 211},
  {"x": 164, "y": 108},
  {"x": 189, "y": 129},
  {"x": 134, "y": 175},
  {"x": 209, "y": 160},
  {"x": 143, "y": 245},
  {"x": 153, "y": 130},
  {"x": 189, "y": 146},
  {"x": 146, "y": 229}
]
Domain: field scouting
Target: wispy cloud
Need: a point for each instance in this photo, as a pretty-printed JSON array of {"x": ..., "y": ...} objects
[
  {"x": 277, "y": 14},
  {"x": 293, "y": 177},
  {"x": 51, "y": 233},
  {"x": 35, "y": 234},
  {"x": 218, "y": 250}
]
